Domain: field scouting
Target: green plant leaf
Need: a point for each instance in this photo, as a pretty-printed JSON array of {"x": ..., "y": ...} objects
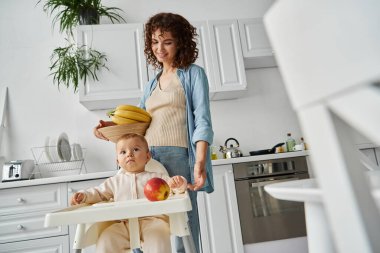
[
  {"x": 66, "y": 12},
  {"x": 71, "y": 64}
]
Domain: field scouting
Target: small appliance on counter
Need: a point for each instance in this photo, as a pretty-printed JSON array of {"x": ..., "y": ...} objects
[
  {"x": 17, "y": 170},
  {"x": 231, "y": 151}
]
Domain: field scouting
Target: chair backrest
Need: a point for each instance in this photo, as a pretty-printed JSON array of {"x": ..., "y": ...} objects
[{"x": 155, "y": 166}]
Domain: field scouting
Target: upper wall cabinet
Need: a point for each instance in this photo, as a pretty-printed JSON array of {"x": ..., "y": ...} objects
[
  {"x": 123, "y": 83},
  {"x": 257, "y": 50},
  {"x": 221, "y": 56},
  {"x": 204, "y": 53},
  {"x": 227, "y": 56}
]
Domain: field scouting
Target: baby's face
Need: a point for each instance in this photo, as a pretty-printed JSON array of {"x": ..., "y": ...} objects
[{"x": 132, "y": 155}]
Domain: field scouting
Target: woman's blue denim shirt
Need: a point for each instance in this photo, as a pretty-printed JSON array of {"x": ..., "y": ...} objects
[{"x": 199, "y": 126}]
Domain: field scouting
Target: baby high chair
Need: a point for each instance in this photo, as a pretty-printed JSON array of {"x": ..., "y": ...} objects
[{"x": 93, "y": 219}]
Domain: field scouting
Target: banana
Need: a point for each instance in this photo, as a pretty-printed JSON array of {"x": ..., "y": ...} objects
[
  {"x": 132, "y": 115},
  {"x": 120, "y": 120},
  {"x": 133, "y": 109}
]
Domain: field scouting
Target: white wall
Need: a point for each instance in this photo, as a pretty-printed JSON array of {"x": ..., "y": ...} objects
[{"x": 38, "y": 109}]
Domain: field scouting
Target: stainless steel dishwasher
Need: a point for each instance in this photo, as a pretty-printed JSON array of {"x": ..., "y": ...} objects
[{"x": 262, "y": 217}]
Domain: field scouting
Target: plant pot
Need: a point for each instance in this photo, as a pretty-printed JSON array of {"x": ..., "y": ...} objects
[{"x": 88, "y": 16}]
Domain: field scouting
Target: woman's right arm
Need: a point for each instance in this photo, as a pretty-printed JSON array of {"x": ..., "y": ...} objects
[{"x": 101, "y": 124}]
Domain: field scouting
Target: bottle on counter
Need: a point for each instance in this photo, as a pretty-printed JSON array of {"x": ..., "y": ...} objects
[
  {"x": 290, "y": 143},
  {"x": 214, "y": 155},
  {"x": 303, "y": 144}
]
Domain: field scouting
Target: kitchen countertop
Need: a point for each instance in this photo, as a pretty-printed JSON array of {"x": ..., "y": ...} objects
[
  {"x": 105, "y": 174},
  {"x": 259, "y": 158},
  {"x": 53, "y": 180}
]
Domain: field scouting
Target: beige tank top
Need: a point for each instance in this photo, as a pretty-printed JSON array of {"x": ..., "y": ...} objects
[{"x": 168, "y": 110}]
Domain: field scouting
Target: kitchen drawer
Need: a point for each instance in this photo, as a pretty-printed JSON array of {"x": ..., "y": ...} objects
[
  {"x": 58, "y": 244},
  {"x": 27, "y": 226},
  {"x": 33, "y": 198}
]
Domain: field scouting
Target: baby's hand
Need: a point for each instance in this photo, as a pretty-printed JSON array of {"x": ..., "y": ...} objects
[
  {"x": 77, "y": 198},
  {"x": 178, "y": 184},
  {"x": 175, "y": 181}
]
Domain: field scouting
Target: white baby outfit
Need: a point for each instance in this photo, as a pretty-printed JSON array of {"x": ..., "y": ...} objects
[{"x": 154, "y": 231}]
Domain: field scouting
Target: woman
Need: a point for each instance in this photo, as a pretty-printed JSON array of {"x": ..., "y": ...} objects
[{"x": 178, "y": 100}]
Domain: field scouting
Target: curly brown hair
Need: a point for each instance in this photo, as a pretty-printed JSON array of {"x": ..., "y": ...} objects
[{"x": 182, "y": 31}]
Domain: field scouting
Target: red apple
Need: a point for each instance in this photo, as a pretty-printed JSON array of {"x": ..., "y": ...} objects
[{"x": 156, "y": 189}]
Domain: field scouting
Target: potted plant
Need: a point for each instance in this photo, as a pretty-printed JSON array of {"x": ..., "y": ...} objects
[
  {"x": 70, "y": 13},
  {"x": 71, "y": 63}
]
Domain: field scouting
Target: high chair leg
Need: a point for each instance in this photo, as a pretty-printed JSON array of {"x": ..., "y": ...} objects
[
  {"x": 188, "y": 244},
  {"x": 134, "y": 233}
]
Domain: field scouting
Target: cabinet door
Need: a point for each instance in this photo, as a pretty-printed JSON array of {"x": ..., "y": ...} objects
[
  {"x": 73, "y": 188},
  {"x": 32, "y": 199},
  {"x": 219, "y": 216},
  {"x": 123, "y": 46},
  {"x": 229, "y": 72},
  {"x": 257, "y": 50},
  {"x": 204, "y": 54},
  {"x": 58, "y": 244},
  {"x": 27, "y": 226}
]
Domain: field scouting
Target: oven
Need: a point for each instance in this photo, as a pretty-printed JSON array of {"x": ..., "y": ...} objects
[{"x": 262, "y": 217}]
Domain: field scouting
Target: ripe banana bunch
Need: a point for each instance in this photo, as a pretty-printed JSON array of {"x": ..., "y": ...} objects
[{"x": 127, "y": 114}]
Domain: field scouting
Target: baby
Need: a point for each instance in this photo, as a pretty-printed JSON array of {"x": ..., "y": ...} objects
[{"x": 132, "y": 156}]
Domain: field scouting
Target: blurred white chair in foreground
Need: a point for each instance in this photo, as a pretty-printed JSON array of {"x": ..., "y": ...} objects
[
  {"x": 93, "y": 219},
  {"x": 328, "y": 53},
  {"x": 3, "y": 104}
]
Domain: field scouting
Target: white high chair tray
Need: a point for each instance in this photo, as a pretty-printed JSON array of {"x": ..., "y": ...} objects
[
  {"x": 118, "y": 210},
  {"x": 176, "y": 207}
]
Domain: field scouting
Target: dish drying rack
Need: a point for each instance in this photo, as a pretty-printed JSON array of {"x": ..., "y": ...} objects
[{"x": 52, "y": 165}]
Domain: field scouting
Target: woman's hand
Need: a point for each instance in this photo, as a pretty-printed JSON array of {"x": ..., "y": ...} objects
[
  {"x": 199, "y": 176},
  {"x": 101, "y": 124},
  {"x": 199, "y": 166},
  {"x": 77, "y": 198}
]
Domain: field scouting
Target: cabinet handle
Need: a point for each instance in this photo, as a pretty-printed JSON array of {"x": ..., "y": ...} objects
[
  {"x": 70, "y": 190},
  {"x": 20, "y": 227},
  {"x": 20, "y": 200}
]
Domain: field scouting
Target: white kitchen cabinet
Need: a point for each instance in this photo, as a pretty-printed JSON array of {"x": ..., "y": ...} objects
[
  {"x": 221, "y": 57},
  {"x": 32, "y": 199},
  {"x": 227, "y": 59},
  {"x": 22, "y": 214},
  {"x": 257, "y": 50},
  {"x": 58, "y": 244},
  {"x": 27, "y": 226},
  {"x": 204, "y": 54},
  {"x": 71, "y": 189},
  {"x": 123, "y": 83},
  {"x": 220, "y": 54},
  {"x": 22, "y": 217},
  {"x": 219, "y": 216}
]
